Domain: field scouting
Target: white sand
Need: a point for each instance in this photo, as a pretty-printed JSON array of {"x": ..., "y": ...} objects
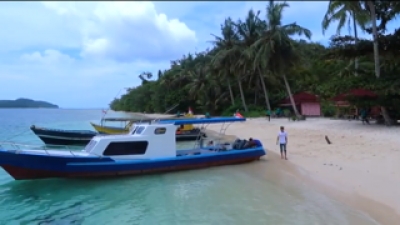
[{"x": 362, "y": 160}]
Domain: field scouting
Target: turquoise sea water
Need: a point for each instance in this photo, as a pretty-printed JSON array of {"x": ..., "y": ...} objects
[{"x": 242, "y": 194}]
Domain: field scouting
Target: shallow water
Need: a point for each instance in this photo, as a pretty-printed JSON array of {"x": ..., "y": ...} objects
[{"x": 242, "y": 194}]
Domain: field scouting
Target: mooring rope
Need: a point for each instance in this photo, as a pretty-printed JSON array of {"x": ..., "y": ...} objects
[{"x": 16, "y": 135}]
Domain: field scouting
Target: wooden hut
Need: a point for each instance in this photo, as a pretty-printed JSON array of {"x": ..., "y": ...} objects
[
  {"x": 342, "y": 98},
  {"x": 341, "y": 102},
  {"x": 307, "y": 104}
]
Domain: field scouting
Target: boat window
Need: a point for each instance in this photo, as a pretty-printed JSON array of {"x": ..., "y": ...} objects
[
  {"x": 160, "y": 130},
  {"x": 90, "y": 146},
  {"x": 126, "y": 148},
  {"x": 139, "y": 129},
  {"x": 133, "y": 129}
]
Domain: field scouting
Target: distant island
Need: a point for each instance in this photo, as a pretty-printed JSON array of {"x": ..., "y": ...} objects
[{"x": 26, "y": 103}]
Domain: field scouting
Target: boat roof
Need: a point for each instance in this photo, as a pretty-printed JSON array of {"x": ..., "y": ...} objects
[
  {"x": 144, "y": 119},
  {"x": 124, "y": 119},
  {"x": 202, "y": 120}
]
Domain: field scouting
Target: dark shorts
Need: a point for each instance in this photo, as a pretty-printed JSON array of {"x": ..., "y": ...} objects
[{"x": 282, "y": 147}]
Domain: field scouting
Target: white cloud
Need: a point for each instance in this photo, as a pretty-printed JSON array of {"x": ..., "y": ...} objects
[
  {"x": 81, "y": 54},
  {"x": 49, "y": 56},
  {"x": 126, "y": 31},
  {"x": 28, "y": 25}
]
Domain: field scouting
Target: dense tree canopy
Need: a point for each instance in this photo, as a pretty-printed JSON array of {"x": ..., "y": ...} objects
[{"x": 257, "y": 61}]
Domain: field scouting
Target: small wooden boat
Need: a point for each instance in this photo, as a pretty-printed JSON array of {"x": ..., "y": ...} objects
[
  {"x": 185, "y": 132},
  {"x": 126, "y": 124},
  {"x": 63, "y": 137},
  {"x": 148, "y": 148}
]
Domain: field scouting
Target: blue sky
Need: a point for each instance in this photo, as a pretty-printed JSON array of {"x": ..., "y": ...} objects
[{"x": 81, "y": 55}]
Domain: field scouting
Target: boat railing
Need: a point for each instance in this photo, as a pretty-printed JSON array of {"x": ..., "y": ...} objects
[
  {"x": 224, "y": 128},
  {"x": 218, "y": 139},
  {"x": 222, "y": 131},
  {"x": 19, "y": 147}
]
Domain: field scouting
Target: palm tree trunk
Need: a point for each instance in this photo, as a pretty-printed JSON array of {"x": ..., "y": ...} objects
[
  {"x": 265, "y": 90},
  {"x": 242, "y": 95},
  {"x": 371, "y": 5},
  {"x": 375, "y": 38},
  {"x": 356, "y": 42},
  {"x": 296, "y": 112},
  {"x": 255, "y": 97},
  {"x": 231, "y": 93}
]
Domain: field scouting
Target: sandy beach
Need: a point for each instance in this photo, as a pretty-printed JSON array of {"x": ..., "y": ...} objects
[{"x": 360, "y": 167}]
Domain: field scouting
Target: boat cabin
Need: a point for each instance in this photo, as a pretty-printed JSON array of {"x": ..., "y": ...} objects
[{"x": 144, "y": 141}]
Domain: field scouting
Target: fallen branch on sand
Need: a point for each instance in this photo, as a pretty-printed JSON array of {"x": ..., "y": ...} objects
[{"x": 327, "y": 140}]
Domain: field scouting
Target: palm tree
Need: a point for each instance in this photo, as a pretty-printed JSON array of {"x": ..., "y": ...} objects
[
  {"x": 221, "y": 70},
  {"x": 346, "y": 12},
  {"x": 204, "y": 86},
  {"x": 371, "y": 6},
  {"x": 145, "y": 76},
  {"x": 276, "y": 47},
  {"x": 249, "y": 33},
  {"x": 225, "y": 57}
]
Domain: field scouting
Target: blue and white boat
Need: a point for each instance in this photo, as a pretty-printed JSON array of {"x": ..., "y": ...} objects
[{"x": 148, "y": 148}]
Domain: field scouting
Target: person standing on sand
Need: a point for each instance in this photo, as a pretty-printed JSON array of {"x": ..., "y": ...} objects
[
  {"x": 283, "y": 140},
  {"x": 364, "y": 116},
  {"x": 268, "y": 114}
]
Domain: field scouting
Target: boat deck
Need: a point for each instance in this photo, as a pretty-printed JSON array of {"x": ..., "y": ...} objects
[{"x": 196, "y": 151}]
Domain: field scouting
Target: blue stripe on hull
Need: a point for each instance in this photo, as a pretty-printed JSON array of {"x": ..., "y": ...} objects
[{"x": 24, "y": 166}]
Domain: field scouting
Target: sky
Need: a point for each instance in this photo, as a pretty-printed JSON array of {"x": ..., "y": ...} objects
[{"x": 84, "y": 54}]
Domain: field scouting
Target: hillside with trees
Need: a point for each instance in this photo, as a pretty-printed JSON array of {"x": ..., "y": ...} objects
[
  {"x": 26, "y": 103},
  {"x": 257, "y": 61}
]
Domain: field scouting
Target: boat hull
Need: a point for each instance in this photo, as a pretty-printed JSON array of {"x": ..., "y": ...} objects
[
  {"x": 27, "y": 166},
  {"x": 63, "y": 137},
  {"x": 52, "y": 140}
]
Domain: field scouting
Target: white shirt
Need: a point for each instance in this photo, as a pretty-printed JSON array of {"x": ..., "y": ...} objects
[{"x": 282, "y": 137}]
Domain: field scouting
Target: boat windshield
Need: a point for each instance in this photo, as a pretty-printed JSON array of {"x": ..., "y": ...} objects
[
  {"x": 90, "y": 146},
  {"x": 139, "y": 129},
  {"x": 132, "y": 129}
]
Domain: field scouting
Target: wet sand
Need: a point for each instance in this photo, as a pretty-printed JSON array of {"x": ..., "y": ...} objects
[{"x": 359, "y": 168}]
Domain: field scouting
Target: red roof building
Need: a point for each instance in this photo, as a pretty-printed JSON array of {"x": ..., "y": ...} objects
[
  {"x": 307, "y": 104},
  {"x": 341, "y": 100},
  {"x": 355, "y": 93}
]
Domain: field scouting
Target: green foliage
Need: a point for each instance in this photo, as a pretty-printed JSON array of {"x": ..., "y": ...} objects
[
  {"x": 328, "y": 109},
  {"x": 254, "y": 114},
  {"x": 287, "y": 113},
  {"x": 245, "y": 67}
]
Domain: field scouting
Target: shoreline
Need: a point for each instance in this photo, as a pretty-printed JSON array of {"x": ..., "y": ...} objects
[
  {"x": 348, "y": 170},
  {"x": 359, "y": 168},
  {"x": 377, "y": 211}
]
